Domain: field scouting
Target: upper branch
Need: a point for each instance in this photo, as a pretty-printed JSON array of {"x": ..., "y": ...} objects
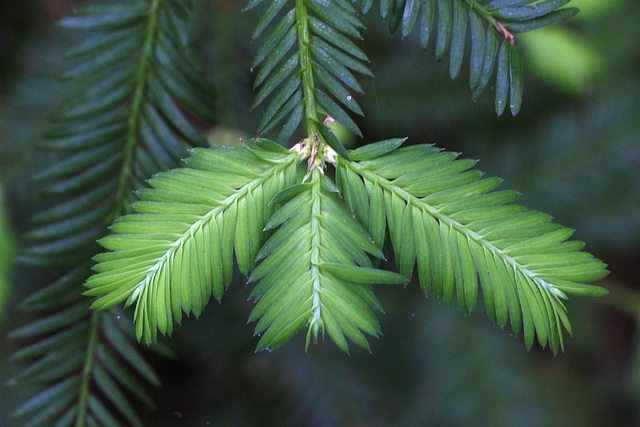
[
  {"x": 315, "y": 79},
  {"x": 306, "y": 70}
]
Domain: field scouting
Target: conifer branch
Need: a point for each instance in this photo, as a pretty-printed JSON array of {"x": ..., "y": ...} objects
[
  {"x": 492, "y": 25},
  {"x": 443, "y": 217},
  {"x": 120, "y": 127},
  {"x": 314, "y": 80},
  {"x": 314, "y": 270},
  {"x": 308, "y": 86}
]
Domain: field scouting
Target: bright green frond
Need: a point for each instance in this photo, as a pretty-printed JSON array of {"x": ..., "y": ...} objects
[
  {"x": 442, "y": 215},
  {"x": 178, "y": 250},
  {"x": 491, "y": 24},
  {"x": 316, "y": 272}
]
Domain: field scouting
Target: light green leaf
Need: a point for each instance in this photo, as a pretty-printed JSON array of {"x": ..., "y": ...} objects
[
  {"x": 224, "y": 188},
  {"x": 309, "y": 274},
  {"x": 459, "y": 230}
]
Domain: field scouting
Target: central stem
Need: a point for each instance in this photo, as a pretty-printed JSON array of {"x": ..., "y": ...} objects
[
  {"x": 135, "y": 111},
  {"x": 488, "y": 16},
  {"x": 316, "y": 324},
  {"x": 306, "y": 71}
]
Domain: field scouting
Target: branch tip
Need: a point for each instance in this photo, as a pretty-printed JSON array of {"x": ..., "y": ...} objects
[{"x": 505, "y": 33}]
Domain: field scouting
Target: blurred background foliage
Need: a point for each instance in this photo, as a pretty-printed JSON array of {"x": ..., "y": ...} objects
[{"x": 573, "y": 151}]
